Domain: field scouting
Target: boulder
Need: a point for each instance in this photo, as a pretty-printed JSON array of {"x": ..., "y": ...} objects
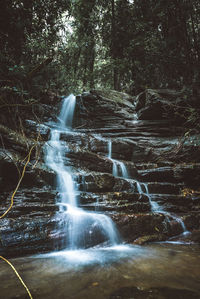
[
  {"x": 28, "y": 235},
  {"x": 133, "y": 226},
  {"x": 104, "y": 182},
  {"x": 99, "y": 108},
  {"x": 159, "y": 104}
]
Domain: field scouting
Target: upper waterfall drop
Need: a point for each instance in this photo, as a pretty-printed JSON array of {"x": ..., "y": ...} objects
[
  {"x": 55, "y": 153},
  {"x": 67, "y": 112}
]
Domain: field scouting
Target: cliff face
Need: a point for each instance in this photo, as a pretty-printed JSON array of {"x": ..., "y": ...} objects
[{"x": 130, "y": 158}]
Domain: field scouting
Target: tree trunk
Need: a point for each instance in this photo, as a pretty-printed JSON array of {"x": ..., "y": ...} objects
[{"x": 113, "y": 48}]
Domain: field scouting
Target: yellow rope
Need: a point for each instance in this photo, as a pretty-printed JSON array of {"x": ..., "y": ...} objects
[
  {"x": 9, "y": 263},
  {"x": 11, "y": 204},
  {"x": 23, "y": 172}
]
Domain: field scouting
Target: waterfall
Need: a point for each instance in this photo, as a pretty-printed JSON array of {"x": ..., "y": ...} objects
[
  {"x": 83, "y": 229},
  {"x": 119, "y": 168},
  {"x": 56, "y": 151},
  {"x": 156, "y": 208},
  {"x": 67, "y": 111},
  {"x": 110, "y": 149}
]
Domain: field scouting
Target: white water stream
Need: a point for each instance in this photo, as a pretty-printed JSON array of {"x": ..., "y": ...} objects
[
  {"x": 83, "y": 229},
  {"x": 156, "y": 208},
  {"x": 119, "y": 168}
]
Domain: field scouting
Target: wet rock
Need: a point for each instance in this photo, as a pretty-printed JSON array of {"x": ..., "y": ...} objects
[
  {"x": 28, "y": 235},
  {"x": 173, "y": 203},
  {"x": 136, "y": 225},
  {"x": 77, "y": 139},
  {"x": 36, "y": 174},
  {"x": 192, "y": 237},
  {"x": 8, "y": 171},
  {"x": 160, "y": 174},
  {"x": 115, "y": 201},
  {"x": 189, "y": 174},
  {"x": 14, "y": 141},
  {"x": 104, "y": 182},
  {"x": 174, "y": 226},
  {"x": 150, "y": 238},
  {"x": 152, "y": 149},
  {"x": 103, "y": 107},
  {"x": 33, "y": 128},
  {"x": 127, "y": 202},
  {"x": 96, "y": 182},
  {"x": 90, "y": 161},
  {"x": 125, "y": 196},
  {"x": 26, "y": 227},
  {"x": 157, "y": 104},
  {"x": 163, "y": 188},
  {"x": 39, "y": 175},
  {"x": 192, "y": 221}
]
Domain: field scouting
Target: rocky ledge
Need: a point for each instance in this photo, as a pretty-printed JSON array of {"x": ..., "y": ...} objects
[{"x": 142, "y": 133}]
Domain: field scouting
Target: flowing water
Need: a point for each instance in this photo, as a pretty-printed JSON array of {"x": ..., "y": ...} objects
[
  {"x": 83, "y": 229},
  {"x": 156, "y": 208},
  {"x": 119, "y": 168}
]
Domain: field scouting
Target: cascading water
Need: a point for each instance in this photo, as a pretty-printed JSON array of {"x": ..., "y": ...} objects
[
  {"x": 83, "y": 229},
  {"x": 119, "y": 168},
  {"x": 155, "y": 207},
  {"x": 56, "y": 150}
]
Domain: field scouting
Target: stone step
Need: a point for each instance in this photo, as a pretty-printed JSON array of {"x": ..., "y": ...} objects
[
  {"x": 133, "y": 226},
  {"x": 160, "y": 174},
  {"x": 89, "y": 197},
  {"x": 137, "y": 127},
  {"x": 164, "y": 188},
  {"x": 189, "y": 174},
  {"x": 104, "y": 182},
  {"x": 23, "y": 234},
  {"x": 177, "y": 203},
  {"x": 30, "y": 209},
  {"x": 115, "y": 201},
  {"x": 27, "y": 196},
  {"x": 138, "y": 207}
]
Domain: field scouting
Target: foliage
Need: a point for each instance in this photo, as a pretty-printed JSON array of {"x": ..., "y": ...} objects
[{"x": 118, "y": 44}]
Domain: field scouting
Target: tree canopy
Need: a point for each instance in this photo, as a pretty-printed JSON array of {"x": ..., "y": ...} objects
[{"x": 70, "y": 45}]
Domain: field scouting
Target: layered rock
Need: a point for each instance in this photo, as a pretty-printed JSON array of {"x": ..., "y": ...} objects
[{"x": 154, "y": 150}]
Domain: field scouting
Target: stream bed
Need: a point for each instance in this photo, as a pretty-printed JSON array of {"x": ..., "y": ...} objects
[{"x": 160, "y": 270}]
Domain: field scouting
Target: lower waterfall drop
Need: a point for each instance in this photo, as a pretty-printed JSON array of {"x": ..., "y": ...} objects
[
  {"x": 156, "y": 208},
  {"x": 83, "y": 229}
]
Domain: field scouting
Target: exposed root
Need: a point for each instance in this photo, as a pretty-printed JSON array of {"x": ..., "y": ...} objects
[
  {"x": 28, "y": 157},
  {"x": 21, "y": 280}
]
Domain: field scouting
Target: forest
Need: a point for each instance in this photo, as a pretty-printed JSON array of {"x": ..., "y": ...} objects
[{"x": 127, "y": 45}]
